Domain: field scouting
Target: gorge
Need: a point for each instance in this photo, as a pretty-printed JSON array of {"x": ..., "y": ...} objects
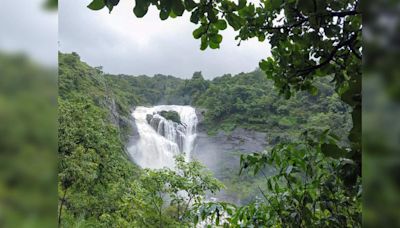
[{"x": 118, "y": 131}]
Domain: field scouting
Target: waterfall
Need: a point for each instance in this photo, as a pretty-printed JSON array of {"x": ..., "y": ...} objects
[{"x": 161, "y": 139}]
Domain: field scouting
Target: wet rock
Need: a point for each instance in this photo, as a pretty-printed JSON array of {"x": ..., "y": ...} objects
[{"x": 149, "y": 117}]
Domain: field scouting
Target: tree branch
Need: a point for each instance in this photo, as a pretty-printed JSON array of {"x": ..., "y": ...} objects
[
  {"x": 330, "y": 57},
  {"x": 187, "y": 205},
  {"x": 304, "y": 19},
  {"x": 344, "y": 13},
  {"x": 61, "y": 207},
  {"x": 285, "y": 26},
  {"x": 355, "y": 51}
]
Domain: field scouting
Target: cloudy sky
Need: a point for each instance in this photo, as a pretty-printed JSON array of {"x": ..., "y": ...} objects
[
  {"x": 25, "y": 27},
  {"x": 122, "y": 43}
]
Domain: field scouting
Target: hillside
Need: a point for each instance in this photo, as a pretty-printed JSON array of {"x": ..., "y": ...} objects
[
  {"x": 247, "y": 100},
  {"x": 96, "y": 177}
]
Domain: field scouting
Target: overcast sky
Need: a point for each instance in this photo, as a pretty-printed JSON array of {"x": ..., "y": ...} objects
[
  {"x": 122, "y": 43},
  {"x": 25, "y": 27}
]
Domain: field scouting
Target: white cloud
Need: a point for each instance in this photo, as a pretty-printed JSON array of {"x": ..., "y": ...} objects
[{"x": 122, "y": 43}]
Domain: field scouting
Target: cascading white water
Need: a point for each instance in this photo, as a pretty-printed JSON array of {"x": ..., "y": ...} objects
[{"x": 161, "y": 139}]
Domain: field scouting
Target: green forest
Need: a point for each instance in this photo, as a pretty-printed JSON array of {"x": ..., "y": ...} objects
[{"x": 100, "y": 186}]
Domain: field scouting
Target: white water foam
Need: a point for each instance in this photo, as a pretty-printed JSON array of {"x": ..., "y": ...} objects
[{"x": 160, "y": 140}]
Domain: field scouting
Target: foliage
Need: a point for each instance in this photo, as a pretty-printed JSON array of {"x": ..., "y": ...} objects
[
  {"x": 306, "y": 190},
  {"x": 250, "y": 101},
  {"x": 171, "y": 115},
  {"x": 93, "y": 173},
  {"x": 183, "y": 186},
  {"x": 194, "y": 87},
  {"x": 27, "y": 159}
]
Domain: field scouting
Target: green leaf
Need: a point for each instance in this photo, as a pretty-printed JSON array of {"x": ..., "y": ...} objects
[
  {"x": 221, "y": 24},
  {"x": 141, "y": 8},
  {"x": 216, "y": 38},
  {"x": 212, "y": 17},
  {"x": 313, "y": 90},
  {"x": 269, "y": 184},
  {"x": 177, "y": 7},
  {"x": 172, "y": 14},
  {"x": 234, "y": 20},
  {"x": 276, "y": 4},
  {"x": 261, "y": 37},
  {"x": 197, "y": 33},
  {"x": 97, "y": 5},
  {"x": 265, "y": 65},
  {"x": 277, "y": 187},
  {"x": 194, "y": 18},
  {"x": 306, "y": 6},
  {"x": 111, "y": 3},
  {"x": 190, "y": 4},
  {"x": 165, "y": 8},
  {"x": 164, "y": 14},
  {"x": 248, "y": 11},
  {"x": 204, "y": 43},
  {"x": 242, "y": 4},
  {"x": 214, "y": 45},
  {"x": 333, "y": 151}
]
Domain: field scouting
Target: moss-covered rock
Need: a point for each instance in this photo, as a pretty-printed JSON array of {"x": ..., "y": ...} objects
[{"x": 171, "y": 115}]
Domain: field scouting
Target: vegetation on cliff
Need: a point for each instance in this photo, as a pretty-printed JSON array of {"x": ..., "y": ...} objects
[{"x": 171, "y": 115}]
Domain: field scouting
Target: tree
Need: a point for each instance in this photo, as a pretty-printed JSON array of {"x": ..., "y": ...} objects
[{"x": 181, "y": 187}]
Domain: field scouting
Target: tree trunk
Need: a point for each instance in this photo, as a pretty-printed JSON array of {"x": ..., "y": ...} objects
[
  {"x": 160, "y": 214},
  {"x": 61, "y": 206}
]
